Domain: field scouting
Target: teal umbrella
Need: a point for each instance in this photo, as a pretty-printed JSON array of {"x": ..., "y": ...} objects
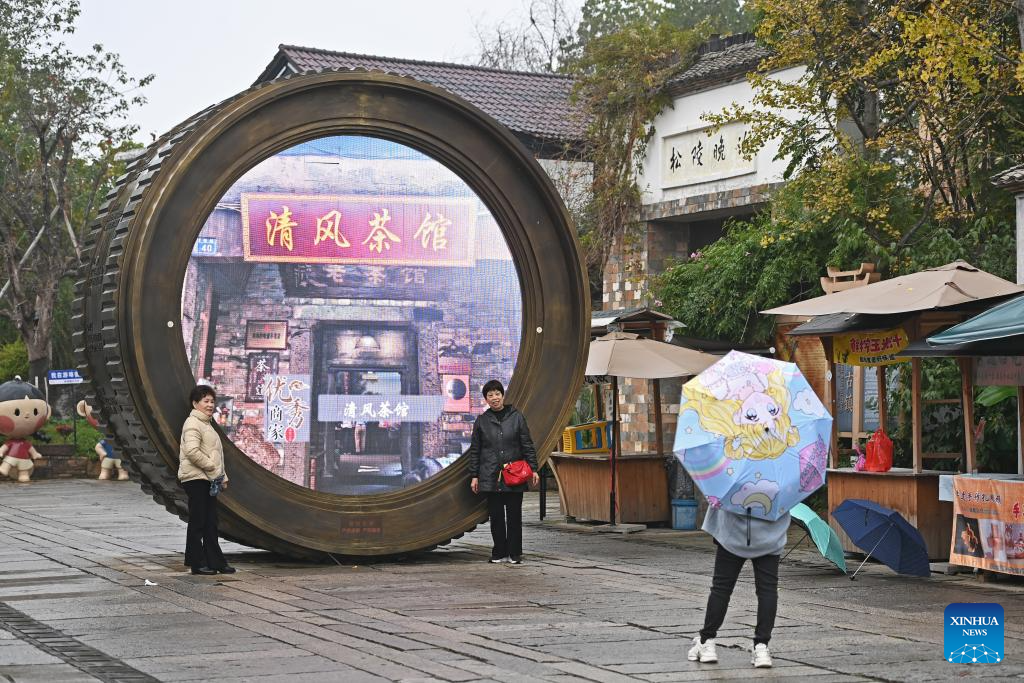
[
  {"x": 821, "y": 533},
  {"x": 998, "y": 322}
]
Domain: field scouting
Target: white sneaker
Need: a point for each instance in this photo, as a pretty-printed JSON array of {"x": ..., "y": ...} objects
[
  {"x": 703, "y": 652},
  {"x": 761, "y": 658}
]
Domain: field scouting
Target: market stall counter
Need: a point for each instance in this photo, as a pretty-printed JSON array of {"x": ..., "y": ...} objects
[
  {"x": 641, "y": 483},
  {"x": 915, "y": 495}
]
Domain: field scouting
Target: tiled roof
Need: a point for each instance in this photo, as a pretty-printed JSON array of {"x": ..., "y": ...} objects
[
  {"x": 1011, "y": 178},
  {"x": 535, "y": 106},
  {"x": 721, "y": 60},
  {"x": 530, "y": 104}
]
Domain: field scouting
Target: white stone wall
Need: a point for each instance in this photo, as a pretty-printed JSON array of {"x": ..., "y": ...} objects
[{"x": 685, "y": 117}]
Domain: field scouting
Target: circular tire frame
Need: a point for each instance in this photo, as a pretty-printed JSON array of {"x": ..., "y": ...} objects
[{"x": 128, "y": 306}]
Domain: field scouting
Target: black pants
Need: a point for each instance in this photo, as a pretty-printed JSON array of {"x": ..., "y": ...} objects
[
  {"x": 766, "y": 585},
  {"x": 202, "y": 549},
  {"x": 506, "y": 513}
]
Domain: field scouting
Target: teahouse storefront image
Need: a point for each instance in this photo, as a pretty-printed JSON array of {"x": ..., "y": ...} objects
[{"x": 348, "y": 297}]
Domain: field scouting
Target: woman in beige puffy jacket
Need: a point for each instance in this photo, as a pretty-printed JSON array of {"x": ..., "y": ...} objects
[{"x": 200, "y": 463}]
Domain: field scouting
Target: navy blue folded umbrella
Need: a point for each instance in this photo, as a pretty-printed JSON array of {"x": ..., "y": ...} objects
[{"x": 884, "y": 534}]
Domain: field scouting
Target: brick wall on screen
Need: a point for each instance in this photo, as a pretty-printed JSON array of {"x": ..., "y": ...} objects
[{"x": 479, "y": 307}]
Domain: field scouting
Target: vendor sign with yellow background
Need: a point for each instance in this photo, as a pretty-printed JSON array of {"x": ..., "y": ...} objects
[{"x": 870, "y": 348}]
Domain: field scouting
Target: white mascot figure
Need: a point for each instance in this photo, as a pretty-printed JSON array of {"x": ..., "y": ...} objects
[{"x": 23, "y": 412}]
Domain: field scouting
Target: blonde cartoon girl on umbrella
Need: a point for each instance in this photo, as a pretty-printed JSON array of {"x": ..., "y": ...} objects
[{"x": 745, "y": 403}]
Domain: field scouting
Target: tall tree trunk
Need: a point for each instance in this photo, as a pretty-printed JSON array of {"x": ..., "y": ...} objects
[
  {"x": 1018, "y": 5},
  {"x": 37, "y": 331},
  {"x": 37, "y": 370}
]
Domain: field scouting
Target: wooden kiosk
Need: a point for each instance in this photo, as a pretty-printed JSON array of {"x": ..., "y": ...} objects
[
  {"x": 878, "y": 307},
  {"x": 640, "y": 479}
]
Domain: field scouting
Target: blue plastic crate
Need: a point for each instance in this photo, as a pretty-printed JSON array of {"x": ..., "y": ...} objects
[{"x": 684, "y": 514}]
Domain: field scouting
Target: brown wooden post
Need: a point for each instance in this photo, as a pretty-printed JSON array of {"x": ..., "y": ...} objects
[
  {"x": 598, "y": 407},
  {"x": 883, "y": 399},
  {"x": 616, "y": 450},
  {"x": 658, "y": 439},
  {"x": 826, "y": 343},
  {"x": 915, "y": 412},
  {"x": 857, "y": 427},
  {"x": 967, "y": 403}
]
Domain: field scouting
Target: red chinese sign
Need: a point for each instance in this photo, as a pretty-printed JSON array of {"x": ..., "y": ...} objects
[{"x": 333, "y": 229}]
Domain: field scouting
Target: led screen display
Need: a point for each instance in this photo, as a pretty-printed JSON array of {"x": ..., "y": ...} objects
[{"x": 347, "y": 298}]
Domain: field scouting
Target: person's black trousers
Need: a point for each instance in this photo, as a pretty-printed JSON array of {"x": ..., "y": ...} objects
[
  {"x": 506, "y": 513},
  {"x": 202, "y": 548},
  {"x": 766, "y": 586}
]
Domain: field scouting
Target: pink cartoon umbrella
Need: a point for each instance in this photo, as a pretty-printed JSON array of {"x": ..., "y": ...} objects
[{"x": 752, "y": 434}]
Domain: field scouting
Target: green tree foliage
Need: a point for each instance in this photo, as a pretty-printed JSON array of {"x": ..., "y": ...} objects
[
  {"x": 62, "y": 121},
  {"x": 903, "y": 112},
  {"x": 13, "y": 360},
  {"x": 602, "y": 18},
  {"x": 722, "y": 16},
  {"x": 622, "y": 85}
]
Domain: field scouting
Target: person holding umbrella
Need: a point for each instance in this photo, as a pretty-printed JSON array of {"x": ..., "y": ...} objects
[
  {"x": 751, "y": 433},
  {"x": 738, "y": 539}
]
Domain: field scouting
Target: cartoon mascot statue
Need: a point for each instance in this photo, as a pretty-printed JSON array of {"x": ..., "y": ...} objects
[
  {"x": 23, "y": 412},
  {"x": 108, "y": 461}
]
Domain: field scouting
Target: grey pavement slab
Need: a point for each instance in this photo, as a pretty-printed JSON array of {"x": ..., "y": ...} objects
[{"x": 583, "y": 607}]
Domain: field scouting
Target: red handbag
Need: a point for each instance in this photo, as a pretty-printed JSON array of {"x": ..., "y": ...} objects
[{"x": 516, "y": 473}]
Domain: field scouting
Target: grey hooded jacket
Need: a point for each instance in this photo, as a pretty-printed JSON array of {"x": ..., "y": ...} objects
[{"x": 760, "y": 538}]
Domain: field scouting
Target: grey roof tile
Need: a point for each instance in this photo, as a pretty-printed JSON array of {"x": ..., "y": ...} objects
[
  {"x": 721, "y": 60},
  {"x": 530, "y": 103},
  {"x": 1011, "y": 178}
]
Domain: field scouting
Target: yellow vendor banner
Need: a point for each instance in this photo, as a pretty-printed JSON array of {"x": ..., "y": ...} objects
[
  {"x": 988, "y": 524},
  {"x": 870, "y": 348}
]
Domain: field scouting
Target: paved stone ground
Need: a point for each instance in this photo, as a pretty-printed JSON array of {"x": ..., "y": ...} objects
[{"x": 74, "y": 557}]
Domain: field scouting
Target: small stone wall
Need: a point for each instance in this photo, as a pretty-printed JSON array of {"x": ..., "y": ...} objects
[{"x": 59, "y": 461}]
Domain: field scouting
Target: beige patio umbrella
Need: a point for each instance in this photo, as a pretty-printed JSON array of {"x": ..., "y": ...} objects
[
  {"x": 622, "y": 354},
  {"x": 954, "y": 283}
]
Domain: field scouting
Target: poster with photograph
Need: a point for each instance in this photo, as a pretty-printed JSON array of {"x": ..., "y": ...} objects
[{"x": 988, "y": 527}]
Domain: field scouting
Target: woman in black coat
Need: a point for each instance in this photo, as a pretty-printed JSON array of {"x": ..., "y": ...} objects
[{"x": 500, "y": 436}]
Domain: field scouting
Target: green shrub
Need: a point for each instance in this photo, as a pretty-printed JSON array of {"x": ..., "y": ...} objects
[
  {"x": 13, "y": 360},
  {"x": 88, "y": 436}
]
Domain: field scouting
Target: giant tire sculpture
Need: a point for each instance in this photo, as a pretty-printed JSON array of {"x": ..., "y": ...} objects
[{"x": 129, "y": 295}]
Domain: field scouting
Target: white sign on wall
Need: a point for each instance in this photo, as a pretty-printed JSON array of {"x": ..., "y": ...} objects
[{"x": 703, "y": 155}]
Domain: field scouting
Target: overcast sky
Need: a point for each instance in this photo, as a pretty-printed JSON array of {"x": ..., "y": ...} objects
[{"x": 203, "y": 51}]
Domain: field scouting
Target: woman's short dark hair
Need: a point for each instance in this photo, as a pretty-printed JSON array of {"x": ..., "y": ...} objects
[
  {"x": 493, "y": 385},
  {"x": 200, "y": 392}
]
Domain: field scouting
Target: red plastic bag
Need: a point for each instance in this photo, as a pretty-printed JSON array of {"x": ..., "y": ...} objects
[{"x": 879, "y": 453}]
